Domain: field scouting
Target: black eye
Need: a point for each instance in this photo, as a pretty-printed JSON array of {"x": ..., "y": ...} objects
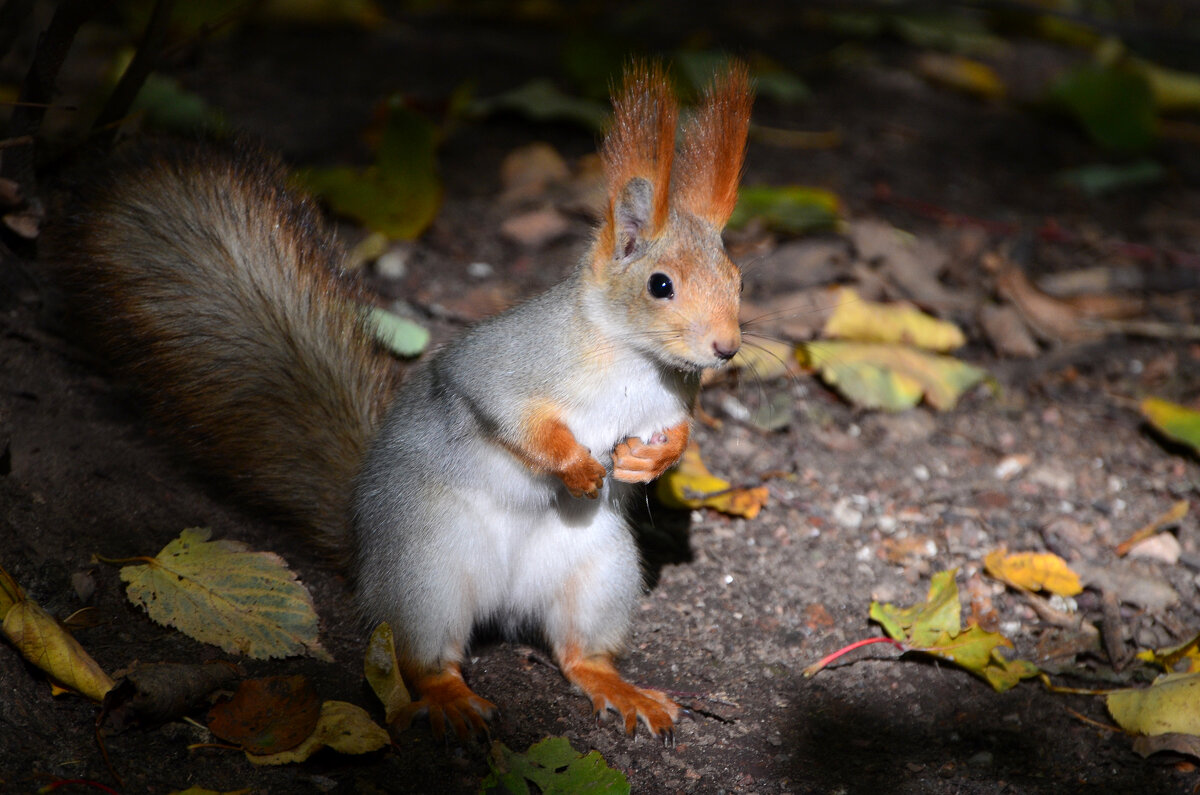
[{"x": 660, "y": 286}]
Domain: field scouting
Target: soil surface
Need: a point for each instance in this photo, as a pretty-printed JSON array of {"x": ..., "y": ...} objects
[{"x": 863, "y": 505}]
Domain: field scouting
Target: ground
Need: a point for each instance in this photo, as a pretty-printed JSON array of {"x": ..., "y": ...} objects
[{"x": 863, "y": 505}]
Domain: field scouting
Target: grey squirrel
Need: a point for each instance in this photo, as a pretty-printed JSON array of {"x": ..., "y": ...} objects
[{"x": 490, "y": 486}]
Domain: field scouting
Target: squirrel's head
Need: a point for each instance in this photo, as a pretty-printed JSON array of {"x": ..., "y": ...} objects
[{"x": 659, "y": 259}]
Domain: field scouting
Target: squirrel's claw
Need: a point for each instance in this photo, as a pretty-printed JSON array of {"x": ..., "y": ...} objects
[
  {"x": 446, "y": 699},
  {"x": 598, "y": 679}
]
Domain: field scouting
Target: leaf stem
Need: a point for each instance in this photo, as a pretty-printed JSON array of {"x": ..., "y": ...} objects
[{"x": 827, "y": 659}]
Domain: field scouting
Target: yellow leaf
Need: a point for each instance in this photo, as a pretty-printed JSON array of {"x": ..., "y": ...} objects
[
  {"x": 43, "y": 642},
  {"x": 342, "y": 727},
  {"x": 221, "y": 592},
  {"x": 868, "y": 321},
  {"x": 1168, "y": 706},
  {"x": 10, "y": 592},
  {"x": 382, "y": 671},
  {"x": 1177, "y": 422},
  {"x": 1170, "y": 657},
  {"x": 691, "y": 485},
  {"x": 890, "y": 377},
  {"x": 1034, "y": 571},
  {"x": 961, "y": 73}
]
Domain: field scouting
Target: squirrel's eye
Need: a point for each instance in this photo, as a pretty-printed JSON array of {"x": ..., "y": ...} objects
[{"x": 660, "y": 286}]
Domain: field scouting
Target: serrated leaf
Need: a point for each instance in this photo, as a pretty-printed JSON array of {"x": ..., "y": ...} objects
[
  {"x": 1034, "y": 571},
  {"x": 382, "y": 671},
  {"x": 399, "y": 335},
  {"x": 857, "y": 320},
  {"x": 1168, "y": 706},
  {"x": 221, "y": 592},
  {"x": 794, "y": 209},
  {"x": 554, "y": 767},
  {"x": 342, "y": 727},
  {"x": 690, "y": 485},
  {"x": 400, "y": 193},
  {"x": 890, "y": 377},
  {"x": 922, "y": 624},
  {"x": 1177, "y": 422}
]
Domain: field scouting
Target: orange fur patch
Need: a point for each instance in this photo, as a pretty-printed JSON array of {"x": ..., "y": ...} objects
[
  {"x": 550, "y": 446},
  {"x": 641, "y": 141},
  {"x": 714, "y": 148}
]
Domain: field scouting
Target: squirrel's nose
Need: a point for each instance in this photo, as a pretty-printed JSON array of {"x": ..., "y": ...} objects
[{"x": 725, "y": 349}]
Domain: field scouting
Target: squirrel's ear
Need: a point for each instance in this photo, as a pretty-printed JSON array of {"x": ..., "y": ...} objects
[
  {"x": 637, "y": 155},
  {"x": 632, "y": 214},
  {"x": 714, "y": 147}
]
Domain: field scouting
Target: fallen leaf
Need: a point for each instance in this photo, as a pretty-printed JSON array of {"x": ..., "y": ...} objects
[
  {"x": 221, "y": 592},
  {"x": 1100, "y": 179},
  {"x": 399, "y": 335},
  {"x": 890, "y": 377},
  {"x": 691, "y": 485},
  {"x": 1179, "y": 743},
  {"x": 400, "y": 193},
  {"x": 961, "y": 73},
  {"x": 540, "y": 100},
  {"x": 934, "y": 628},
  {"x": 1034, "y": 571},
  {"x": 793, "y": 209},
  {"x": 1114, "y": 105},
  {"x": 1007, "y": 332},
  {"x": 41, "y": 641},
  {"x": 382, "y": 671},
  {"x": 858, "y": 320},
  {"x": 1132, "y": 583},
  {"x": 535, "y": 228},
  {"x": 1050, "y": 318},
  {"x": 267, "y": 716},
  {"x": 527, "y": 172},
  {"x": 342, "y": 727},
  {"x": 1172, "y": 89},
  {"x": 554, "y": 768},
  {"x": 1168, "y": 706},
  {"x": 1170, "y": 657},
  {"x": 1173, "y": 421},
  {"x": 765, "y": 359},
  {"x": 155, "y": 693}
]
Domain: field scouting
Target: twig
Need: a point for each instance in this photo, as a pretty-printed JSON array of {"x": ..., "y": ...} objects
[{"x": 143, "y": 63}]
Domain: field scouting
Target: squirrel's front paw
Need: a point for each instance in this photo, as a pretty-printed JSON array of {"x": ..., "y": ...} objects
[
  {"x": 635, "y": 461},
  {"x": 584, "y": 477}
]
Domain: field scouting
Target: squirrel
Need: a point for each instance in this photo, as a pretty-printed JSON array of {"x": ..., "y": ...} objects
[{"x": 489, "y": 486}]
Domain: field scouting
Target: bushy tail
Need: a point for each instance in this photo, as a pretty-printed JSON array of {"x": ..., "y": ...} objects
[{"x": 216, "y": 289}]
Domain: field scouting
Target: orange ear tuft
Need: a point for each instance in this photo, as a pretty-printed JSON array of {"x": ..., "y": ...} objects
[
  {"x": 641, "y": 141},
  {"x": 714, "y": 147}
]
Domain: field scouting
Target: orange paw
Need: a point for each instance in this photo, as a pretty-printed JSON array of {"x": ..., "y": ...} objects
[
  {"x": 445, "y": 698},
  {"x": 584, "y": 477},
  {"x": 635, "y": 461},
  {"x": 598, "y": 679}
]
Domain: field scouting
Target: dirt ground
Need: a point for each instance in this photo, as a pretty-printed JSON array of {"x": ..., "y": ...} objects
[{"x": 864, "y": 506}]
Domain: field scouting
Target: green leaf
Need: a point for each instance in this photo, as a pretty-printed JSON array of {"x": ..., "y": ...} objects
[
  {"x": 1099, "y": 179},
  {"x": 554, "y": 767},
  {"x": 1114, "y": 105},
  {"x": 794, "y": 209},
  {"x": 399, "y": 335},
  {"x": 923, "y": 624},
  {"x": 890, "y": 377},
  {"x": 540, "y": 100},
  {"x": 1173, "y": 421},
  {"x": 400, "y": 193},
  {"x": 932, "y": 628}
]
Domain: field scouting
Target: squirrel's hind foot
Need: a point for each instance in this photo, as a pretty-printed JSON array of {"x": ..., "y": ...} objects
[
  {"x": 444, "y": 696},
  {"x": 599, "y": 680}
]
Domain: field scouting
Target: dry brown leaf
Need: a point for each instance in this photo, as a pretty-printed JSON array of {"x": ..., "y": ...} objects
[
  {"x": 154, "y": 693},
  {"x": 267, "y": 716},
  {"x": 1051, "y": 319}
]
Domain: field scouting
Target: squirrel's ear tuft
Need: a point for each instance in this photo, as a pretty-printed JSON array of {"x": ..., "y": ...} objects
[
  {"x": 714, "y": 147},
  {"x": 640, "y": 145}
]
